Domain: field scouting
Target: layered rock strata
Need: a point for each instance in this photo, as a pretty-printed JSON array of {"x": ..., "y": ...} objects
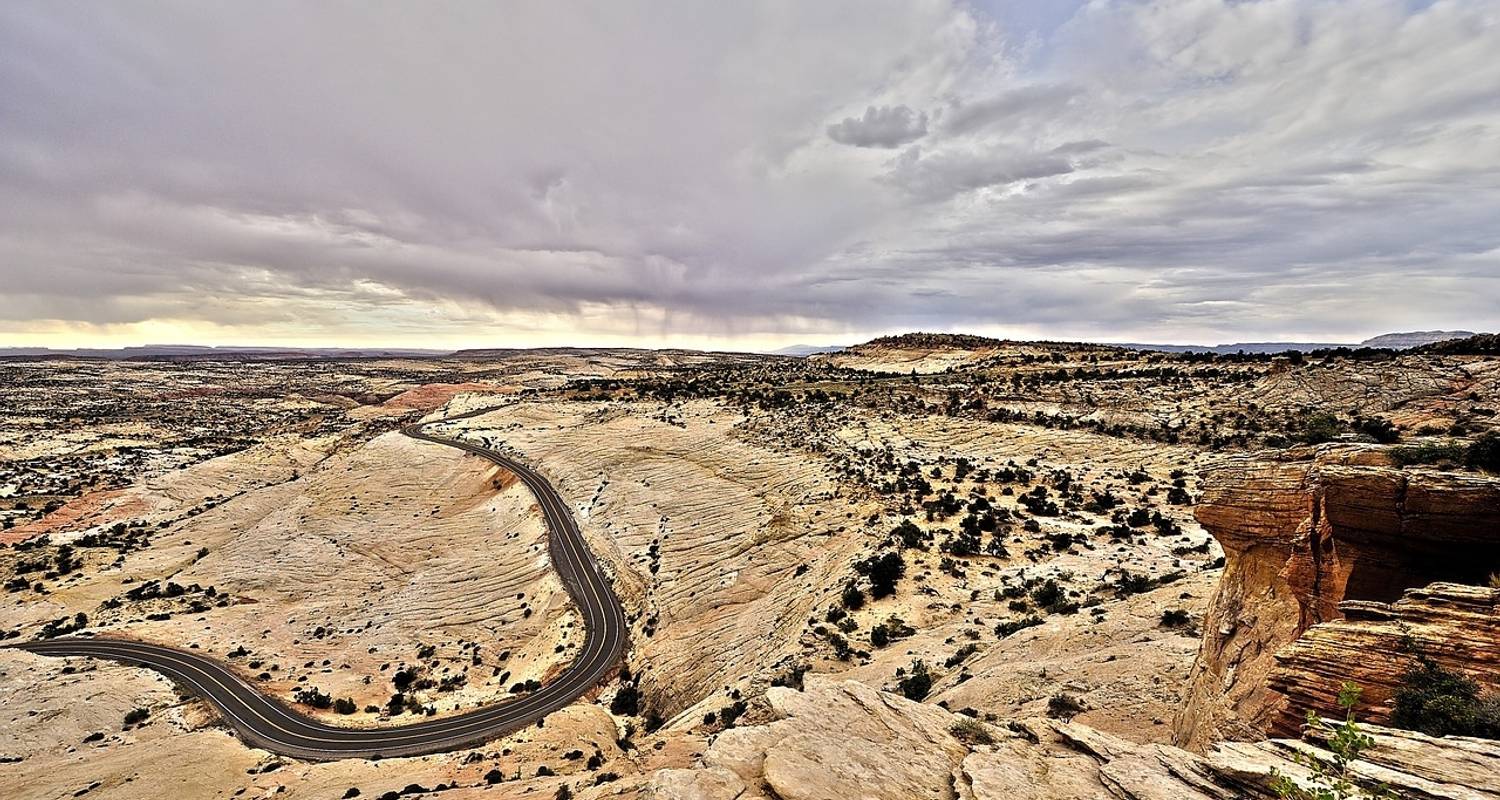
[{"x": 1304, "y": 532}]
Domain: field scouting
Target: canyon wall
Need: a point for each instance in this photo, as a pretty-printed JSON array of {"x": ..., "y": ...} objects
[
  {"x": 1374, "y": 644},
  {"x": 1305, "y": 532}
]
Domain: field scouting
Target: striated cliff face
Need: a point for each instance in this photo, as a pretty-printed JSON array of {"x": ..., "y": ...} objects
[
  {"x": 1304, "y": 531},
  {"x": 1455, "y": 625}
]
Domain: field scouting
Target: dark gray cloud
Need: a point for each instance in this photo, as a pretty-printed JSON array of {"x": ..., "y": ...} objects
[
  {"x": 886, "y": 126},
  {"x": 558, "y": 172}
]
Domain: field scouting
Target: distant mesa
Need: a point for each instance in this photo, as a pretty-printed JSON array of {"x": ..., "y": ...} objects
[
  {"x": 190, "y": 352},
  {"x": 1390, "y": 341},
  {"x": 1480, "y": 344},
  {"x": 932, "y": 344},
  {"x": 808, "y": 349},
  {"x": 1405, "y": 341}
]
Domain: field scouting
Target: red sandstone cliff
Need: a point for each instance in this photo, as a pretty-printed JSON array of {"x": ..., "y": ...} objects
[{"x": 1303, "y": 532}]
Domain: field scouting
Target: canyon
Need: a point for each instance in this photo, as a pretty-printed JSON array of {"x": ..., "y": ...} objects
[{"x": 919, "y": 567}]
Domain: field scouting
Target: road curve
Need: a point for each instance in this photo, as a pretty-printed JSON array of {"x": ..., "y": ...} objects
[{"x": 267, "y": 723}]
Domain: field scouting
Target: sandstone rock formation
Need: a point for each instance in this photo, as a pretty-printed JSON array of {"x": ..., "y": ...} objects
[
  {"x": 1303, "y": 531},
  {"x": 1456, "y": 626}
]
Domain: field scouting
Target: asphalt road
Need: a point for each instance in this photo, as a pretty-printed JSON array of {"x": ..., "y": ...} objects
[{"x": 267, "y": 723}]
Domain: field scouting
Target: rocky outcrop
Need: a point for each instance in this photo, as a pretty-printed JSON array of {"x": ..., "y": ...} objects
[
  {"x": 1304, "y": 531},
  {"x": 842, "y": 740},
  {"x": 1454, "y": 625}
]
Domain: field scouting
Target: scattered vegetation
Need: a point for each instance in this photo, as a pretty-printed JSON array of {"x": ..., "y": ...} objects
[
  {"x": 882, "y": 571},
  {"x": 1482, "y": 453}
]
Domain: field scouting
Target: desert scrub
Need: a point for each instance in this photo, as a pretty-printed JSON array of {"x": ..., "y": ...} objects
[
  {"x": 1426, "y": 453},
  {"x": 917, "y": 684},
  {"x": 1064, "y": 706},
  {"x": 1482, "y": 453},
  {"x": 1010, "y": 626},
  {"x": 971, "y": 731}
]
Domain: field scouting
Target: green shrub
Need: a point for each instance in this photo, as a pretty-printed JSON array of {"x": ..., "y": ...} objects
[
  {"x": 853, "y": 598},
  {"x": 1381, "y": 430},
  {"x": 1010, "y": 626},
  {"x": 1049, "y": 595},
  {"x": 1442, "y": 702},
  {"x": 311, "y": 696},
  {"x": 1320, "y": 428},
  {"x": 1484, "y": 453},
  {"x": 626, "y": 702},
  {"x": 1426, "y": 453},
  {"x": 883, "y": 571}
]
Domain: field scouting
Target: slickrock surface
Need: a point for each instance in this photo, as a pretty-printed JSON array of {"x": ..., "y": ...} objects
[
  {"x": 705, "y": 532},
  {"x": 1456, "y": 626},
  {"x": 1040, "y": 499},
  {"x": 168, "y": 496},
  {"x": 1304, "y": 530},
  {"x": 1414, "y": 388},
  {"x": 337, "y": 579},
  {"x": 843, "y": 739},
  {"x": 1128, "y": 670},
  {"x": 730, "y": 544},
  {"x": 65, "y": 737},
  {"x": 837, "y": 739}
]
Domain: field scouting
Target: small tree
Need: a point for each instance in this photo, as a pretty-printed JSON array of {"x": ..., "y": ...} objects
[
  {"x": 853, "y": 598},
  {"x": 627, "y": 701},
  {"x": 1330, "y": 778},
  {"x": 1484, "y": 452},
  {"x": 1320, "y": 428},
  {"x": 916, "y": 684}
]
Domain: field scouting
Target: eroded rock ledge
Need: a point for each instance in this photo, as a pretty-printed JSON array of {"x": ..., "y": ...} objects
[
  {"x": 841, "y": 740},
  {"x": 1309, "y": 534},
  {"x": 1454, "y": 625}
]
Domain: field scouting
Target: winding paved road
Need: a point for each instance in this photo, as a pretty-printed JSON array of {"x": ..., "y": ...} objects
[{"x": 268, "y": 724}]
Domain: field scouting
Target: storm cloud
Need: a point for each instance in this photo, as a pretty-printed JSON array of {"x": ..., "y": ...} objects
[
  {"x": 887, "y": 126},
  {"x": 745, "y": 174}
]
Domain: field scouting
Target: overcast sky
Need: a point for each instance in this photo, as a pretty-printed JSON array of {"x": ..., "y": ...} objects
[{"x": 745, "y": 174}]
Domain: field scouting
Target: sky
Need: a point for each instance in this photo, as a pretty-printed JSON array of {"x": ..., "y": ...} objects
[{"x": 745, "y": 175}]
